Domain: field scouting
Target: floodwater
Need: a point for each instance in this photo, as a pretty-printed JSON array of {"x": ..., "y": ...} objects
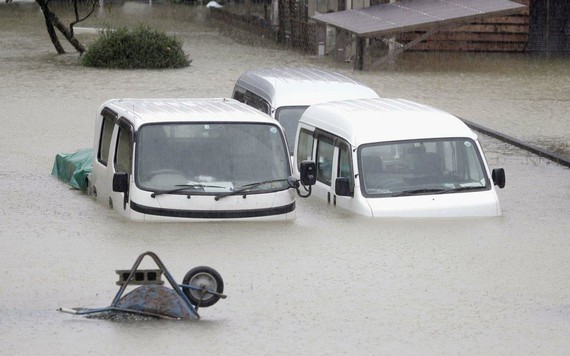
[{"x": 326, "y": 283}]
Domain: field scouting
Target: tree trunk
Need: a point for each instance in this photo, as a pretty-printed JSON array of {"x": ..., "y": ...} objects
[
  {"x": 49, "y": 25},
  {"x": 68, "y": 35},
  {"x": 51, "y": 21}
]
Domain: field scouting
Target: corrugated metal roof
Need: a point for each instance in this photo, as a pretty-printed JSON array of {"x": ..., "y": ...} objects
[
  {"x": 406, "y": 15},
  {"x": 140, "y": 111}
]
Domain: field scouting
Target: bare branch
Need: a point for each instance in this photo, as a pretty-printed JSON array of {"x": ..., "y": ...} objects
[
  {"x": 77, "y": 19},
  {"x": 53, "y": 22}
]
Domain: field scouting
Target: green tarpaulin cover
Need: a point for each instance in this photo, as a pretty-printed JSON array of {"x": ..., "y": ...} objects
[{"x": 73, "y": 168}]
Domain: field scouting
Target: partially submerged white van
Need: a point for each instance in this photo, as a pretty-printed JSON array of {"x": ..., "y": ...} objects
[
  {"x": 285, "y": 93},
  {"x": 396, "y": 158},
  {"x": 197, "y": 159}
]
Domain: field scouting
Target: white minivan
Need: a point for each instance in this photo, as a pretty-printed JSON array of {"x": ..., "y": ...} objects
[
  {"x": 285, "y": 93},
  {"x": 396, "y": 158},
  {"x": 191, "y": 159}
]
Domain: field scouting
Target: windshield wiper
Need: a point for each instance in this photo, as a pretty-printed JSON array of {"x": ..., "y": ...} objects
[
  {"x": 247, "y": 187},
  {"x": 195, "y": 187},
  {"x": 420, "y": 191},
  {"x": 437, "y": 190},
  {"x": 463, "y": 189}
]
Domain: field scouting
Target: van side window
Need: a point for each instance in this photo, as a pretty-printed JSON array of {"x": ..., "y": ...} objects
[
  {"x": 345, "y": 163},
  {"x": 124, "y": 151},
  {"x": 256, "y": 102},
  {"x": 105, "y": 140},
  {"x": 305, "y": 146},
  {"x": 239, "y": 96},
  {"x": 325, "y": 151}
]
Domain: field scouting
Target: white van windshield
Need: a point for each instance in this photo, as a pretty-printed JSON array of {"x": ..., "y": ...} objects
[
  {"x": 211, "y": 158},
  {"x": 288, "y": 117},
  {"x": 421, "y": 167}
]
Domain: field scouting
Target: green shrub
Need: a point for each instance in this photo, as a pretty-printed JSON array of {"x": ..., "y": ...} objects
[{"x": 140, "y": 47}]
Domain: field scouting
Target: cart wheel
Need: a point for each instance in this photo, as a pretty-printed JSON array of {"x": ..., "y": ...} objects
[{"x": 203, "y": 276}]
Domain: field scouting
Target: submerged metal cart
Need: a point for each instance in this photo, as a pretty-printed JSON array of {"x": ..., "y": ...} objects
[{"x": 202, "y": 287}]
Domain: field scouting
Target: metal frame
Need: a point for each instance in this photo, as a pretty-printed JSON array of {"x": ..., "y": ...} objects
[
  {"x": 425, "y": 20},
  {"x": 113, "y": 307}
]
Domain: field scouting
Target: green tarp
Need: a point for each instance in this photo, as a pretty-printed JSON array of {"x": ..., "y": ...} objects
[{"x": 73, "y": 168}]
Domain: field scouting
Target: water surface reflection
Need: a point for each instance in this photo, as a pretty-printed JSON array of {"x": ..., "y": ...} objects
[{"x": 326, "y": 283}]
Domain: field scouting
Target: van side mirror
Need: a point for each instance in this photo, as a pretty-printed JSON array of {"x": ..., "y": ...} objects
[
  {"x": 342, "y": 187},
  {"x": 121, "y": 182},
  {"x": 293, "y": 183},
  {"x": 498, "y": 175},
  {"x": 307, "y": 172}
]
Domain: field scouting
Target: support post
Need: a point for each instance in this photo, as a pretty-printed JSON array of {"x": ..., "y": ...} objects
[
  {"x": 359, "y": 55},
  {"x": 397, "y": 52}
]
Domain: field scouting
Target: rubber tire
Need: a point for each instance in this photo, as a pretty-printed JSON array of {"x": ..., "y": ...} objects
[{"x": 212, "y": 274}]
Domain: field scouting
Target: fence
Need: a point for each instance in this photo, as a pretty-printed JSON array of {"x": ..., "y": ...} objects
[
  {"x": 249, "y": 23},
  {"x": 299, "y": 34}
]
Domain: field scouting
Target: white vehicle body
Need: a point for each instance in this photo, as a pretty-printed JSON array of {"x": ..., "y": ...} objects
[
  {"x": 396, "y": 158},
  {"x": 190, "y": 159},
  {"x": 285, "y": 93}
]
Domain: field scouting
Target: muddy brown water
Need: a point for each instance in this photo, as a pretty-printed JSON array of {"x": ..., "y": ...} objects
[{"x": 326, "y": 283}]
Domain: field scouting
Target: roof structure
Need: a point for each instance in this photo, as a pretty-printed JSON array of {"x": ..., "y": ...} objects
[
  {"x": 142, "y": 111},
  {"x": 407, "y": 15},
  {"x": 387, "y": 20},
  {"x": 302, "y": 86},
  {"x": 363, "y": 121}
]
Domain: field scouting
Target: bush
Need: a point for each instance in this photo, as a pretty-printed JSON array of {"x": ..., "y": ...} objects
[{"x": 140, "y": 47}]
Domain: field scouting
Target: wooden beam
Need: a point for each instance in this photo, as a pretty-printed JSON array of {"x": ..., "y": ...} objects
[{"x": 398, "y": 51}]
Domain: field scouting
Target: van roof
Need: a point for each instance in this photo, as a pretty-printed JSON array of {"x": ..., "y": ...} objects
[
  {"x": 302, "y": 86},
  {"x": 382, "y": 120},
  {"x": 142, "y": 111}
]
